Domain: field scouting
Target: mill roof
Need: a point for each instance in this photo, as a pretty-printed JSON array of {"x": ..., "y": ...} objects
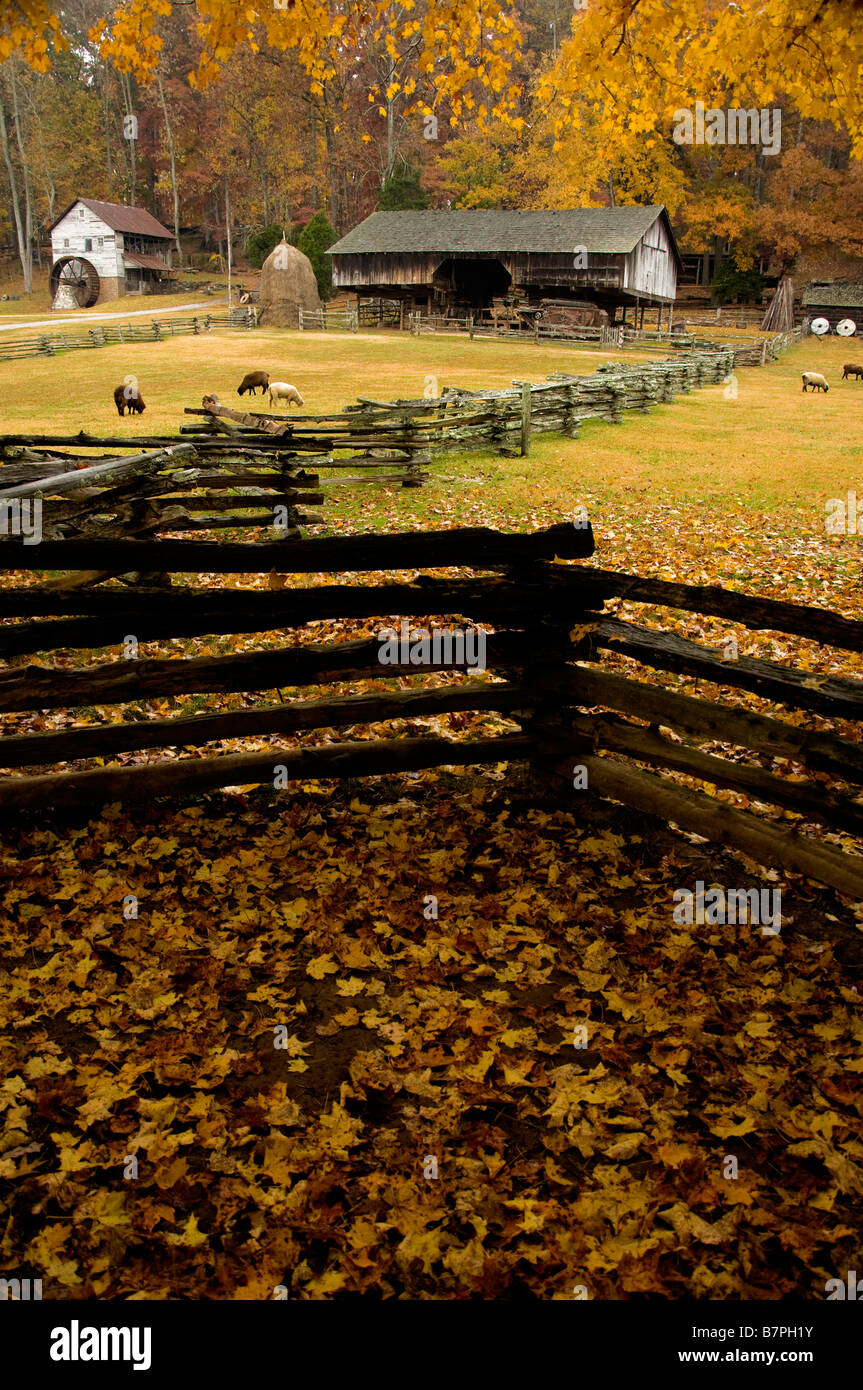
[{"x": 120, "y": 218}]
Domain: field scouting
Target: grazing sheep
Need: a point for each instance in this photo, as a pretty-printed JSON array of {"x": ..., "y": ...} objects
[
  {"x": 135, "y": 403},
  {"x": 282, "y": 390},
  {"x": 815, "y": 380},
  {"x": 851, "y": 369},
  {"x": 251, "y": 381}
]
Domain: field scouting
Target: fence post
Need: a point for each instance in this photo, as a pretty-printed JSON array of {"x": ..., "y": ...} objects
[
  {"x": 571, "y": 420},
  {"x": 525, "y": 418},
  {"x": 470, "y": 326}
]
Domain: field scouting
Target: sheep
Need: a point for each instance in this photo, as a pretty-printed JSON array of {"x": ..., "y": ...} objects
[
  {"x": 815, "y": 380},
  {"x": 282, "y": 390},
  {"x": 134, "y": 402},
  {"x": 251, "y": 381},
  {"x": 851, "y": 369}
]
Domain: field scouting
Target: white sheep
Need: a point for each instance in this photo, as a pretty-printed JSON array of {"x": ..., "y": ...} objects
[
  {"x": 815, "y": 380},
  {"x": 282, "y": 390}
]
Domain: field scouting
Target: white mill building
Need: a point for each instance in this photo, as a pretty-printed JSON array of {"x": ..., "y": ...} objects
[{"x": 100, "y": 251}]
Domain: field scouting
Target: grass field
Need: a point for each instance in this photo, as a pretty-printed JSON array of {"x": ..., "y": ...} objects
[{"x": 772, "y": 446}]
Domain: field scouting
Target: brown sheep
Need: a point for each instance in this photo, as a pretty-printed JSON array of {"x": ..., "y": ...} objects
[
  {"x": 134, "y": 402},
  {"x": 252, "y": 380},
  {"x": 851, "y": 369}
]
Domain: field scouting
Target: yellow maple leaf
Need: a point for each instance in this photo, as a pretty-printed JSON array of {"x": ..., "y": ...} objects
[
  {"x": 190, "y": 1234},
  {"x": 352, "y": 985},
  {"x": 321, "y": 966}
]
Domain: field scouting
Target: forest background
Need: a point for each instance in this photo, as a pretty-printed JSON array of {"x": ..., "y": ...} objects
[{"x": 297, "y": 107}]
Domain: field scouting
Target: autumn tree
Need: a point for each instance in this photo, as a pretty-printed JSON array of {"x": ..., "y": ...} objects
[
  {"x": 637, "y": 61},
  {"x": 316, "y": 237}
]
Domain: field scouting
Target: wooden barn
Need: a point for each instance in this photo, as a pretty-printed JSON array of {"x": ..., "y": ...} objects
[
  {"x": 102, "y": 250},
  {"x": 835, "y": 301},
  {"x": 621, "y": 259}
]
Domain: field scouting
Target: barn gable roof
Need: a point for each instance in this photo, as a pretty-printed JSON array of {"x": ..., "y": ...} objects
[
  {"x": 120, "y": 218},
  {"x": 610, "y": 231},
  {"x": 833, "y": 294}
]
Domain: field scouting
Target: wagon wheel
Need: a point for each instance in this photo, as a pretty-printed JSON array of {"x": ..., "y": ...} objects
[{"x": 78, "y": 275}]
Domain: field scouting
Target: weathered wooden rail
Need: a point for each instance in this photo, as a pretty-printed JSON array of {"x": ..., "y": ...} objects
[
  {"x": 155, "y": 330},
  {"x": 547, "y": 643},
  {"x": 172, "y": 487},
  {"x": 460, "y": 418},
  {"x": 395, "y": 441}
]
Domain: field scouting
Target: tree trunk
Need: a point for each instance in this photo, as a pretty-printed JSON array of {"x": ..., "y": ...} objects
[
  {"x": 22, "y": 228},
  {"x": 126, "y": 83},
  {"x": 170, "y": 139},
  {"x": 106, "y": 112},
  {"x": 25, "y": 174},
  {"x": 228, "y": 235},
  {"x": 52, "y": 191}
]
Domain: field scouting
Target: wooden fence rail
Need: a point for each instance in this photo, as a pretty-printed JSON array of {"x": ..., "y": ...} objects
[
  {"x": 545, "y": 638},
  {"x": 103, "y": 335},
  {"x": 391, "y": 441},
  {"x": 172, "y": 488}
]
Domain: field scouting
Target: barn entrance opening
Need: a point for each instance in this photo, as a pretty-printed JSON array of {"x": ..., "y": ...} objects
[{"x": 474, "y": 282}]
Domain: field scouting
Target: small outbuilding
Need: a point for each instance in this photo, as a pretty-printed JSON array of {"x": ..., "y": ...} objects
[
  {"x": 288, "y": 284},
  {"x": 100, "y": 251},
  {"x": 834, "y": 300},
  {"x": 618, "y": 259}
]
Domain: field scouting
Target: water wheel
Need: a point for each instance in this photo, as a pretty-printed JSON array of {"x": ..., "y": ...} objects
[{"x": 77, "y": 275}]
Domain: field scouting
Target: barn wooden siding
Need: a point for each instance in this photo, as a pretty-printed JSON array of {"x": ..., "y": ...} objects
[
  {"x": 650, "y": 271},
  {"x": 647, "y": 272}
]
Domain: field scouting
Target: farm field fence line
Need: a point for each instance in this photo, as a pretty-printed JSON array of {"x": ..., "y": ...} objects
[
  {"x": 459, "y": 418},
  {"x": 103, "y": 335}
]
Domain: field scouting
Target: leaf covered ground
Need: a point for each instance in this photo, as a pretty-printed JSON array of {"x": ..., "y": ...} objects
[{"x": 439, "y": 1036}]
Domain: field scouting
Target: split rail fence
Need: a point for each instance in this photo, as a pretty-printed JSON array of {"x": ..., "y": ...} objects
[
  {"x": 235, "y": 460},
  {"x": 460, "y": 418},
  {"x": 546, "y": 639},
  {"x": 106, "y": 334}
]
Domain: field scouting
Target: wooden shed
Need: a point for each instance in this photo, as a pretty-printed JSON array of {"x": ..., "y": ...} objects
[
  {"x": 834, "y": 300},
  {"x": 617, "y": 258}
]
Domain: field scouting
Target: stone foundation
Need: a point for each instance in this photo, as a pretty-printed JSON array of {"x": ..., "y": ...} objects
[{"x": 110, "y": 287}]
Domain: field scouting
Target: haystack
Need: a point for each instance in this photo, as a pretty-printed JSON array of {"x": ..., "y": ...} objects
[{"x": 288, "y": 285}]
